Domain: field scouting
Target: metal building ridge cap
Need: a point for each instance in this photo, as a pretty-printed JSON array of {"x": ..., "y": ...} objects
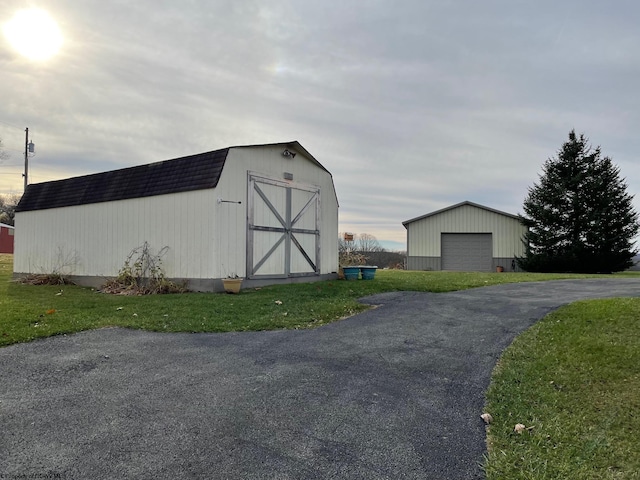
[{"x": 457, "y": 205}]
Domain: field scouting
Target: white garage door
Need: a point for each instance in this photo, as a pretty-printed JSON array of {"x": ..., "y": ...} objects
[{"x": 467, "y": 252}]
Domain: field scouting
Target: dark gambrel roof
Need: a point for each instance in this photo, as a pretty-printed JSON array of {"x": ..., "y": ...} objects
[{"x": 195, "y": 172}]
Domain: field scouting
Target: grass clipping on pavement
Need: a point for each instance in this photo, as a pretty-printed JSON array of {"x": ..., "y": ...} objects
[{"x": 573, "y": 382}]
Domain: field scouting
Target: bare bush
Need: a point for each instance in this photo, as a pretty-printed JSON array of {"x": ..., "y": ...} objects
[
  {"x": 143, "y": 274},
  {"x": 45, "y": 279},
  {"x": 59, "y": 274}
]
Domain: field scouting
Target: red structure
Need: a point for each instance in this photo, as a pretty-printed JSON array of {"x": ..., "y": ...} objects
[{"x": 6, "y": 238}]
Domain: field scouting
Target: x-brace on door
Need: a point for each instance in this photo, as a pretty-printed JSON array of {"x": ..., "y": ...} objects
[{"x": 283, "y": 228}]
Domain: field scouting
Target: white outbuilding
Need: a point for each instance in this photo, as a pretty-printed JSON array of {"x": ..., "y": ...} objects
[
  {"x": 464, "y": 237},
  {"x": 268, "y": 213}
]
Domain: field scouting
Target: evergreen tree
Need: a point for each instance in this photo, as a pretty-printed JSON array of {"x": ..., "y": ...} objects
[{"x": 580, "y": 216}]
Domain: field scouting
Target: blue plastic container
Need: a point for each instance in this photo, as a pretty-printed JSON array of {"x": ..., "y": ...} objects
[
  {"x": 368, "y": 272},
  {"x": 351, "y": 273}
]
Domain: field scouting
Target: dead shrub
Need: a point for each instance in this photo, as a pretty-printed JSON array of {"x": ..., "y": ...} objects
[
  {"x": 45, "y": 279},
  {"x": 142, "y": 274}
]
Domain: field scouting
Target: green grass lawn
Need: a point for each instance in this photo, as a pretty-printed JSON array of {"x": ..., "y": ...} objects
[
  {"x": 574, "y": 378},
  {"x": 30, "y": 312}
]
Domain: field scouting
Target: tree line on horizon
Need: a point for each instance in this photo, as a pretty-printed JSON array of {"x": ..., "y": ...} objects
[{"x": 358, "y": 249}]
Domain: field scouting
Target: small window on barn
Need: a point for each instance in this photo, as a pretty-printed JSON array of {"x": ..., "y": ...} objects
[{"x": 10, "y": 232}]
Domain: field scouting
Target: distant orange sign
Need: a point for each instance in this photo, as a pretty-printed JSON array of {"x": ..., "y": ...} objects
[{"x": 348, "y": 237}]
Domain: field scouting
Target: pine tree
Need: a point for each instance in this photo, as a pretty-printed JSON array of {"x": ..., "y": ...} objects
[{"x": 580, "y": 216}]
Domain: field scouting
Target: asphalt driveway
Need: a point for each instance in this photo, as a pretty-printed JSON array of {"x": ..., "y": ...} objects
[{"x": 395, "y": 392}]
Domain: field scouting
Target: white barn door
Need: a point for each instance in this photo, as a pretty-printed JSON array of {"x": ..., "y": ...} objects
[{"x": 283, "y": 229}]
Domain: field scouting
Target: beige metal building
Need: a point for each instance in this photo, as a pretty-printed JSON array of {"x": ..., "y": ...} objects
[
  {"x": 268, "y": 213},
  {"x": 464, "y": 237}
]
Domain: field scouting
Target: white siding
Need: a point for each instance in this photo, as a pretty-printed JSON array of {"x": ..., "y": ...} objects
[
  {"x": 100, "y": 236},
  {"x": 206, "y": 239},
  {"x": 269, "y": 162},
  {"x": 423, "y": 236}
]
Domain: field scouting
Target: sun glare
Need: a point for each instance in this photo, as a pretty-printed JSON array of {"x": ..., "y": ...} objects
[{"x": 34, "y": 34}]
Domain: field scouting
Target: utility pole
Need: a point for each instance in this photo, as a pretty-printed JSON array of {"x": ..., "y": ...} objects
[
  {"x": 26, "y": 158},
  {"x": 28, "y": 148}
]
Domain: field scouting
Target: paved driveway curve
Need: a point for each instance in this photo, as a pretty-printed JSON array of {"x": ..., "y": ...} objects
[{"x": 395, "y": 392}]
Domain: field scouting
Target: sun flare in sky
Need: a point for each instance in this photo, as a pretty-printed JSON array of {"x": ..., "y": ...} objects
[{"x": 34, "y": 34}]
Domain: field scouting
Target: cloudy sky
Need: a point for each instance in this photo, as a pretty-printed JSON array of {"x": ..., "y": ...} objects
[{"x": 413, "y": 105}]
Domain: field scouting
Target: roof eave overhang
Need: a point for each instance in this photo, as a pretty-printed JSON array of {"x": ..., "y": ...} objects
[{"x": 458, "y": 205}]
